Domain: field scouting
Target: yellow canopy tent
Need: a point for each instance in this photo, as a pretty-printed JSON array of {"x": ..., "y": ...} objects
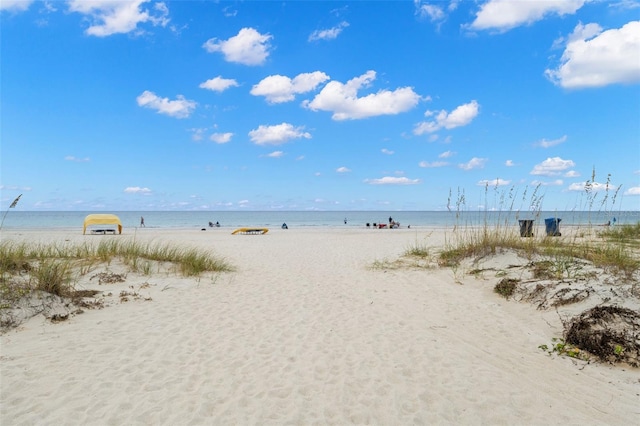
[{"x": 102, "y": 219}]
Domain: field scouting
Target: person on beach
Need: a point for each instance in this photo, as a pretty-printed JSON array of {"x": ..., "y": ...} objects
[{"x": 142, "y": 222}]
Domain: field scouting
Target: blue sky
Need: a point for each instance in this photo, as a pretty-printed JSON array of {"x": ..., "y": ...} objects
[{"x": 327, "y": 105}]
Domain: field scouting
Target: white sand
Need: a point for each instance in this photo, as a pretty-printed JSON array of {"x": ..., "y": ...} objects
[{"x": 304, "y": 332}]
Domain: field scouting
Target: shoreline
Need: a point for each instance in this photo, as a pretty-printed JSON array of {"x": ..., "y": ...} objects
[{"x": 314, "y": 326}]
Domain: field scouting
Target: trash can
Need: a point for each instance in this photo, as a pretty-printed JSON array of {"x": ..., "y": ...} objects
[
  {"x": 526, "y": 228},
  {"x": 552, "y": 225}
]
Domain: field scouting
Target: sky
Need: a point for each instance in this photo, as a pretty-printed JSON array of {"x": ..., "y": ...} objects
[{"x": 320, "y": 105}]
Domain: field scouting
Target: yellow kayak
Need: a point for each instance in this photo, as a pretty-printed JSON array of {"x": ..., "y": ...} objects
[{"x": 256, "y": 231}]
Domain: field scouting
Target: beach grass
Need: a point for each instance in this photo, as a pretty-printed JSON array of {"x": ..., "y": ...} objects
[{"x": 28, "y": 267}]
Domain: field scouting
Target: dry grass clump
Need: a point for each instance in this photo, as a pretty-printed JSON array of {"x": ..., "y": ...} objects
[
  {"x": 611, "y": 333},
  {"x": 506, "y": 287},
  {"x": 29, "y": 270}
]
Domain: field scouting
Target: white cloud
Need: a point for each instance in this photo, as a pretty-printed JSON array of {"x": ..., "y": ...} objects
[
  {"x": 474, "y": 163},
  {"x": 633, "y": 191},
  {"x": 77, "y": 160},
  {"x": 119, "y": 17},
  {"x": 15, "y": 5},
  {"x": 137, "y": 190},
  {"x": 494, "y": 182},
  {"x": 279, "y": 88},
  {"x": 552, "y": 167},
  {"x": 432, "y": 12},
  {"x": 544, "y": 143},
  {"x": 509, "y": 163},
  {"x": 343, "y": 101},
  {"x": 503, "y": 15},
  {"x": 275, "y": 154},
  {"x": 461, "y": 116},
  {"x": 593, "y": 187},
  {"x": 572, "y": 174},
  {"x": 328, "y": 34},
  {"x": 593, "y": 58},
  {"x": 433, "y": 164},
  {"x": 249, "y": 47},
  {"x": 179, "y": 108},
  {"x": 218, "y": 84},
  {"x": 221, "y": 137},
  {"x": 277, "y": 134},
  {"x": 392, "y": 180},
  {"x": 446, "y": 154},
  {"x": 386, "y": 151},
  {"x": 197, "y": 133},
  {"x": 343, "y": 170}
]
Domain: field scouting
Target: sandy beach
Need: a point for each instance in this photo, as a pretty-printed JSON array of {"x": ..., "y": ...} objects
[{"x": 310, "y": 328}]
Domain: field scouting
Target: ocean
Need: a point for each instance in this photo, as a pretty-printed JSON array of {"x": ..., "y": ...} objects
[{"x": 16, "y": 219}]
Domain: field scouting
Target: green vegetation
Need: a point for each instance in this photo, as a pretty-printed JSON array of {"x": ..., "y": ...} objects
[
  {"x": 613, "y": 248},
  {"x": 28, "y": 267}
]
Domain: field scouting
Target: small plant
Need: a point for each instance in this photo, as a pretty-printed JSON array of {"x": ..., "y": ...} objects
[
  {"x": 506, "y": 287},
  {"x": 417, "y": 251},
  {"x": 560, "y": 347}
]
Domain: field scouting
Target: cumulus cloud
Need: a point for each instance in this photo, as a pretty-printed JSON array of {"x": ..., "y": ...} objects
[
  {"x": 633, "y": 191},
  {"x": 386, "y": 151},
  {"x": 429, "y": 11},
  {"x": 342, "y": 99},
  {"x": 593, "y": 186},
  {"x": 15, "y": 5},
  {"x": 545, "y": 143},
  {"x": 221, "y": 137},
  {"x": 249, "y": 47},
  {"x": 509, "y": 163},
  {"x": 474, "y": 163},
  {"x": 343, "y": 170},
  {"x": 277, "y": 134},
  {"x": 596, "y": 58},
  {"x": 552, "y": 167},
  {"x": 433, "y": 164},
  {"x": 493, "y": 182},
  {"x": 76, "y": 159},
  {"x": 110, "y": 17},
  {"x": 275, "y": 154},
  {"x": 218, "y": 84},
  {"x": 328, "y": 34},
  {"x": 137, "y": 190},
  {"x": 461, "y": 116},
  {"x": 503, "y": 15},
  {"x": 392, "y": 180},
  {"x": 446, "y": 154},
  {"x": 178, "y": 108},
  {"x": 278, "y": 88}
]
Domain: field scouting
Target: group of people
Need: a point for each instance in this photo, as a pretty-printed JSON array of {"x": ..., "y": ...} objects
[
  {"x": 392, "y": 224},
  {"x": 216, "y": 225}
]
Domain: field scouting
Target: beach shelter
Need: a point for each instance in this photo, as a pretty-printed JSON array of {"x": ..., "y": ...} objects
[{"x": 102, "y": 219}]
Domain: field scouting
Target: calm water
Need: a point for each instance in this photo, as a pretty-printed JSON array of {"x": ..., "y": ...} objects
[{"x": 227, "y": 219}]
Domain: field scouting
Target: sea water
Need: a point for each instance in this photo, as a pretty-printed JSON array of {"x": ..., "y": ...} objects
[{"x": 16, "y": 219}]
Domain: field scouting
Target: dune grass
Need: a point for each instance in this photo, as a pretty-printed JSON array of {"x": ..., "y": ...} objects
[
  {"x": 615, "y": 248},
  {"x": 51, "y": 267}
]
